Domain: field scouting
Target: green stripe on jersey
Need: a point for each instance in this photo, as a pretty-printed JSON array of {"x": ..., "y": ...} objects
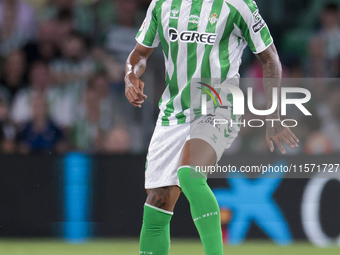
[
  {"x": 265, "y": 34},
  {"x": 173, "y": 85},
  {"x": 211, "y": 28},
  {"x": 150, "y": 35},
  {"x": 192, "y": 60},
  {"x": 224, "y": 50},
  {"x": 242, "y": 24},
  {"x": 164, "y": 43}
]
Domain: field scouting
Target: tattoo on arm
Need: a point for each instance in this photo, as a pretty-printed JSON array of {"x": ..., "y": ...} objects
[
  {"x": 141, "y": 67},
  {"x": 272, "y": 73},
  {"x": 135, "y": 64},
  {"x": 274, "y": 129}
]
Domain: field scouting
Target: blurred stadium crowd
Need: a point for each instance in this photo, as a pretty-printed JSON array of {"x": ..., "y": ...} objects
[{"x": 62, "y": 70}]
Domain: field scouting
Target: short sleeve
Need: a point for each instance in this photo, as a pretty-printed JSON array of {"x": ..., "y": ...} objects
[
  {"x": 251, "y": 25},
  {"x": 148, "y": 33}
]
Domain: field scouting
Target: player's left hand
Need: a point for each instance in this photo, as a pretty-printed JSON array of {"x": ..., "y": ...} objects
[{"x": 277, "y": 133}]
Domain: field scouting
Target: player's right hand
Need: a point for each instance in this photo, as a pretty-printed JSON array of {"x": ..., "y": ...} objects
[{"x": 134, "y": 88}]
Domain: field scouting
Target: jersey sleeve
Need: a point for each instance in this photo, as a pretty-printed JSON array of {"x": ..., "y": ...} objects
[
  {"x": 148, "y": 33},
  {"x": 251, "y": 25}
]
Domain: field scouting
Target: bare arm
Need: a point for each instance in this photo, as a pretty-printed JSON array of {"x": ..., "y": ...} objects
[
  {"x": 134, "y": 68},
  {"x": 272, "y": 74}
]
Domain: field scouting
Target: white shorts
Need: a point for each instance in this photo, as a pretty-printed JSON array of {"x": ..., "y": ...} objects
[{"x": 167, "y": 142}]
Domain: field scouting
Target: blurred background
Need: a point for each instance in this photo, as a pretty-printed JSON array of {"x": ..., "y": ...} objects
[{"x": 72, "y": 149}]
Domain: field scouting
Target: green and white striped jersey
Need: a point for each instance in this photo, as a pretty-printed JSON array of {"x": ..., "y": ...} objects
[{"x": 200, "y": 39}]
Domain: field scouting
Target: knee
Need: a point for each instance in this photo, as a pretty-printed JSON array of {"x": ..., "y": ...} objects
[
  {"x": 183, "y": 174},
  {"x": 190, "y": 178},
  {"x": 155, "y": 220},
  {"x": 189, "y": 174},
  {"x": 158, "y": 208},
  {"x": 164, "y": 198}
]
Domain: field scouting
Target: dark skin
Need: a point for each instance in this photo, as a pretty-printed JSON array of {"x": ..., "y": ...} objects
[
  {"x": 197, "y": 152},
  {"x": 272, "y": 73}
]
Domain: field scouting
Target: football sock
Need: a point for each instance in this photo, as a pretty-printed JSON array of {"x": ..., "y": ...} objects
[
  {"x": 204, "y": 208},
  {"x": 155, "y": 233}
]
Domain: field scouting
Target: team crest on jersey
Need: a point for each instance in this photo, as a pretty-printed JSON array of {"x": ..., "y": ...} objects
[
  {"x": 213, "y": 18},
  {"x": 194, "y": 19},
  {"x": 174, "y": 14}
]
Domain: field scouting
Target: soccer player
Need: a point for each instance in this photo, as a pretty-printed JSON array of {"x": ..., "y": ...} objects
[{"x": 200, "y": 39}]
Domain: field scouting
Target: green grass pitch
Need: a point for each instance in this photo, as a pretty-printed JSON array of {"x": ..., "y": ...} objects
[{"x": 130, "y": 247}]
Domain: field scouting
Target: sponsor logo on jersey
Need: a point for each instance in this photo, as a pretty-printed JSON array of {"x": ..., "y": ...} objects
[
  {"x": 259, "y": 22},
  {"x": 174, "y": 14},
  {"x": 173, "y": 34},
  {"x": 213, "y": 18},
  {"x": 258, "y": 26},
  {"x": 191, "y": 37},
  {"x": 194, "y": 19}
]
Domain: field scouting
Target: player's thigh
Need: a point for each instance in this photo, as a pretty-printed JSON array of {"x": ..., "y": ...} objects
[
  {"x": 163, "y": 155},
  {"x": 208, "y": 140},
  {"x": 164, "y": 197},
  {"x": 197, "y": 152}
]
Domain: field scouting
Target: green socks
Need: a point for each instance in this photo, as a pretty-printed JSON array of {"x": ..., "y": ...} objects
[
  {"x": 204, "y": 208},
  {"x": 155, "y": 234}
]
